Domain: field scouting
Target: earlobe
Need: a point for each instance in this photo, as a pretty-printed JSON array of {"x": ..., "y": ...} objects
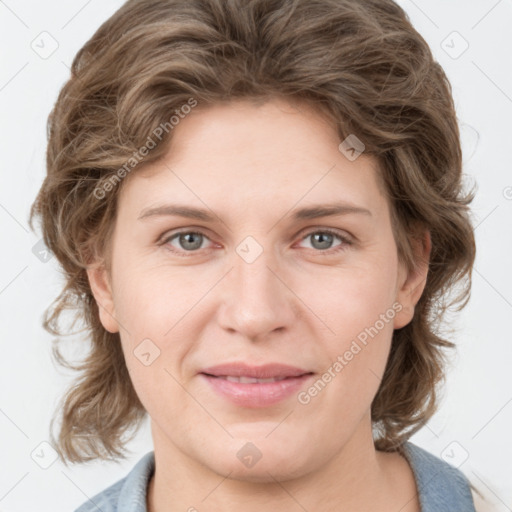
[
  {"x": 412, "y": 284},
  {"x": 102, "y": 291}
]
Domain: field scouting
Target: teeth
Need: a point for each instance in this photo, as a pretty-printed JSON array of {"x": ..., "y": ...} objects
[
  {"x": 250, "y": 380},
  {"x": 247, "y": 380}
]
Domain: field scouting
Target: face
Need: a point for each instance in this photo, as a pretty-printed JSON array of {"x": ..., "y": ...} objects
[{"x": 255, "y": 285}]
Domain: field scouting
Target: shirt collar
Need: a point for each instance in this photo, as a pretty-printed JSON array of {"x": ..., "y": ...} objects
[{"x": 133, "y": 495}]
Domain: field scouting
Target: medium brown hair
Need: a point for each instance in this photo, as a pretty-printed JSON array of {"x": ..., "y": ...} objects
[{"x": 362, "y": 64}]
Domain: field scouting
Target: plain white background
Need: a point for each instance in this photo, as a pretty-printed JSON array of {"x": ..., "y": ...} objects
[{"x": 471, "y": 40}]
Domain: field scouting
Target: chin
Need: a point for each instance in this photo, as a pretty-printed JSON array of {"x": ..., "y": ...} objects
[
  {"x": 261, "y": 460},
  {"x": 263, "y": 472}
]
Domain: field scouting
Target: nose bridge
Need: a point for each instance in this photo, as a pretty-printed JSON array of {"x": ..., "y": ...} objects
[{"x": 256, "y": 301}]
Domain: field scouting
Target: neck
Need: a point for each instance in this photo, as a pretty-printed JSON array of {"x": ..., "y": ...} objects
[{"x": 354, "y": 478}]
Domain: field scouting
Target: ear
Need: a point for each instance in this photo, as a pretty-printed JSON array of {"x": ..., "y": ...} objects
[
  {"x": 411, "y": 284},
  {"x": 99, "y": 281}
]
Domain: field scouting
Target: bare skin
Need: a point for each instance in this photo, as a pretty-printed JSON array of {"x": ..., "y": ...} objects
[{"x": 298, "y": 303}]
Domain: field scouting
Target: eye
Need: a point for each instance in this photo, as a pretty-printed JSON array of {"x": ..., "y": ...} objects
[
  {"x": 322, "y": 240},
  {"x": 185, "y": 241}
]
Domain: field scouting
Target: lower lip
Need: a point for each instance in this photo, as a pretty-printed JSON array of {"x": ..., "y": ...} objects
[{"x": 256, "y": 394}]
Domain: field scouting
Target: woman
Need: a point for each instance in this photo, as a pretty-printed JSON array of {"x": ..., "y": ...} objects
[{"x": 258, "y": 207}]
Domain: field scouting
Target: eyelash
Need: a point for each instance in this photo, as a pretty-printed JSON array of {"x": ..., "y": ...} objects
[{"x": 186, "y": 254}]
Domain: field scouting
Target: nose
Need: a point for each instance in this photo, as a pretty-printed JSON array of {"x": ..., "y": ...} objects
[{"x": 256, "y": 300}]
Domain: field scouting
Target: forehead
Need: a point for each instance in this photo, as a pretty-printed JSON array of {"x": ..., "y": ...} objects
[{"x": 275, "y": 154}]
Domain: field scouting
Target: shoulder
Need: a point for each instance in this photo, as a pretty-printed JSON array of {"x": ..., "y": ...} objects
[
  {"x": 127, "y": 494},
  {"x": 439, "y": 484}
]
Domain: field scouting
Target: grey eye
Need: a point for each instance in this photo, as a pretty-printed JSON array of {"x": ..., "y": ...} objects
[
  {"x": 321, "y": 240},
  {"x": 190, "y": 241}
]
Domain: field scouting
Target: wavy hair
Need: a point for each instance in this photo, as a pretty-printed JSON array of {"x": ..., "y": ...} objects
[{"x": 361, "y": 63}]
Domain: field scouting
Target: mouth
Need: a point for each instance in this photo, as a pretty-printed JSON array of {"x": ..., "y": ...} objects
[
  {"x": 243, "y": 370},
  {"x": 243, "y": 379},
  {"x": 255, "y": 386}
]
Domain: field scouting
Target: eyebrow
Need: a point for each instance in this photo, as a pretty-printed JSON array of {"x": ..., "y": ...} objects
[{"x": 311, "y": 212}]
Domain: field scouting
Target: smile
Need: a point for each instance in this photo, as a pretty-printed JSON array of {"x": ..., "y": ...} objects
[{"x": 249, "y": 380}]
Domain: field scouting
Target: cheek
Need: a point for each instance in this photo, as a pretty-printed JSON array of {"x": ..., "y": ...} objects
[
  {"x": 358, "y": 306},
  {"x": 356, "y": 362},
  {"x": 152, "y": 299},
  {"x": 162, "y": 313},
  {"x": 149, "y": 312},
  {"x": 154, "y": 367},
  {"x": 349, "y": 300}
]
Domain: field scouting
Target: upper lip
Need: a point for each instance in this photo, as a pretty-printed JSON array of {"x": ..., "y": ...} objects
[{"x": 266, "y": 371}]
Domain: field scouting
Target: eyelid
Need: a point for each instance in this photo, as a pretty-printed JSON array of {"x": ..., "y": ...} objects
[{"x": 333, "y": 231}]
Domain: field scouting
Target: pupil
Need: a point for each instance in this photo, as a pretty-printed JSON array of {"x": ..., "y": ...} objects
[
  {"x": 184, "y": 239},
  {"x": 325, "y": 239}
]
